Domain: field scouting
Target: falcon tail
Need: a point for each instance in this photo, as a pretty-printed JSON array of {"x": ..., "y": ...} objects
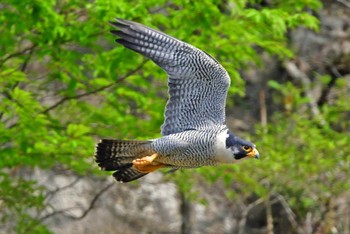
[{"x": 117, "y": 155}]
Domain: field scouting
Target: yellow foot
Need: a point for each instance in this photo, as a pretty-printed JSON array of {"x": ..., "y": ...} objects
[{"x": 146, "y": 164}]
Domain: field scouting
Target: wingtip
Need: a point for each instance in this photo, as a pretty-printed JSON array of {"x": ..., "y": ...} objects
[
  {"x": 120, "y": 22},
  {"x": 118, "y": 19},
  {"x": 115, "y": 32}
]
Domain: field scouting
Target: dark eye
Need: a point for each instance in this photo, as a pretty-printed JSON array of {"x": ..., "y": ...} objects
[{"x": 247, "y": 148}]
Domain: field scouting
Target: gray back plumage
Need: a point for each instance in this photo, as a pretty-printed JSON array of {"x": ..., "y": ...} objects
[{"x": 197, "y": 83}]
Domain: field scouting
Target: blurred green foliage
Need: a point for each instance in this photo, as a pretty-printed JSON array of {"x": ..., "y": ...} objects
[{"x": 64, "y": 83}]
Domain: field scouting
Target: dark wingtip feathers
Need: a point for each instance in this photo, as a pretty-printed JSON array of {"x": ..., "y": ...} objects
[{"x": 119, "y": 22}]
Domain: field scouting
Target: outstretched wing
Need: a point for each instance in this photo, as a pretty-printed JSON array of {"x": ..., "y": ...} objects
[{"x": 197, "y": 83}]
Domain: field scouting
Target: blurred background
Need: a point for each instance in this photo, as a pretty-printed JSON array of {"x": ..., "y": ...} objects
[{"x": 64, "y": 84}]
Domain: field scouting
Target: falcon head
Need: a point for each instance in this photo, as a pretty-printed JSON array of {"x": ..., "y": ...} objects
[{"x": 240, "y": 148}]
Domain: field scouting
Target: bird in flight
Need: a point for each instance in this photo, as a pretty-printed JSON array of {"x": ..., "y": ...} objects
[{"x": 194, "y": 132}]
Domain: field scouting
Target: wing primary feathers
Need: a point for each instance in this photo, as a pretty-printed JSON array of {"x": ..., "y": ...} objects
[{"x": 197, "y": 83}]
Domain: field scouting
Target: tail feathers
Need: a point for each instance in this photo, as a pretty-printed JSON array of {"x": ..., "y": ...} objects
[
  {"x": 117, "y": 155},
  {"x": 127, "y": 174}
]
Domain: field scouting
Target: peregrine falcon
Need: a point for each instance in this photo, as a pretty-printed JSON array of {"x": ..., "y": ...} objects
[{"x": 194, "y": 132}]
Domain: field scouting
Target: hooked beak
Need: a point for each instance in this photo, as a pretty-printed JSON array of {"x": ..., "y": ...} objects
[{"x": 254, "y": 154}]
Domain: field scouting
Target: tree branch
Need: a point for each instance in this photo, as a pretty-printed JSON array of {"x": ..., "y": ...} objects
[
  {"x": 51, "y": 193},
  {"x": 290, "y": 214},
  {"x": 64, "y": 99},
  {"x": 92, "y": 203},
  {"x": 185, "y": 209},
  {"x": 85, "y": 212},
  {"x": 19, "y": 53},
  {"x": 297, "y": 74},
  {"x": 263, "y": 110},
  {"x": 325, "y": 92},
  {"x": 242, "y": 222},
  {"x": 269, "y": 215},
  {"x": 345, "y": 2},
  {"x": 23, "y": 68}
]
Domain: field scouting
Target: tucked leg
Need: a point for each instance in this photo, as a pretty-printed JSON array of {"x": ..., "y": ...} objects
[{"x": 146, "y": 164}]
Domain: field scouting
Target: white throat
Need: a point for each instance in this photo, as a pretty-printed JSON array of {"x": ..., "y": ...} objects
[{"x": 223, "y": 154}]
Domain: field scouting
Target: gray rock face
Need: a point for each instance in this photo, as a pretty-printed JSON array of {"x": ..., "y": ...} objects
[{"x": 90, "y": 205}]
